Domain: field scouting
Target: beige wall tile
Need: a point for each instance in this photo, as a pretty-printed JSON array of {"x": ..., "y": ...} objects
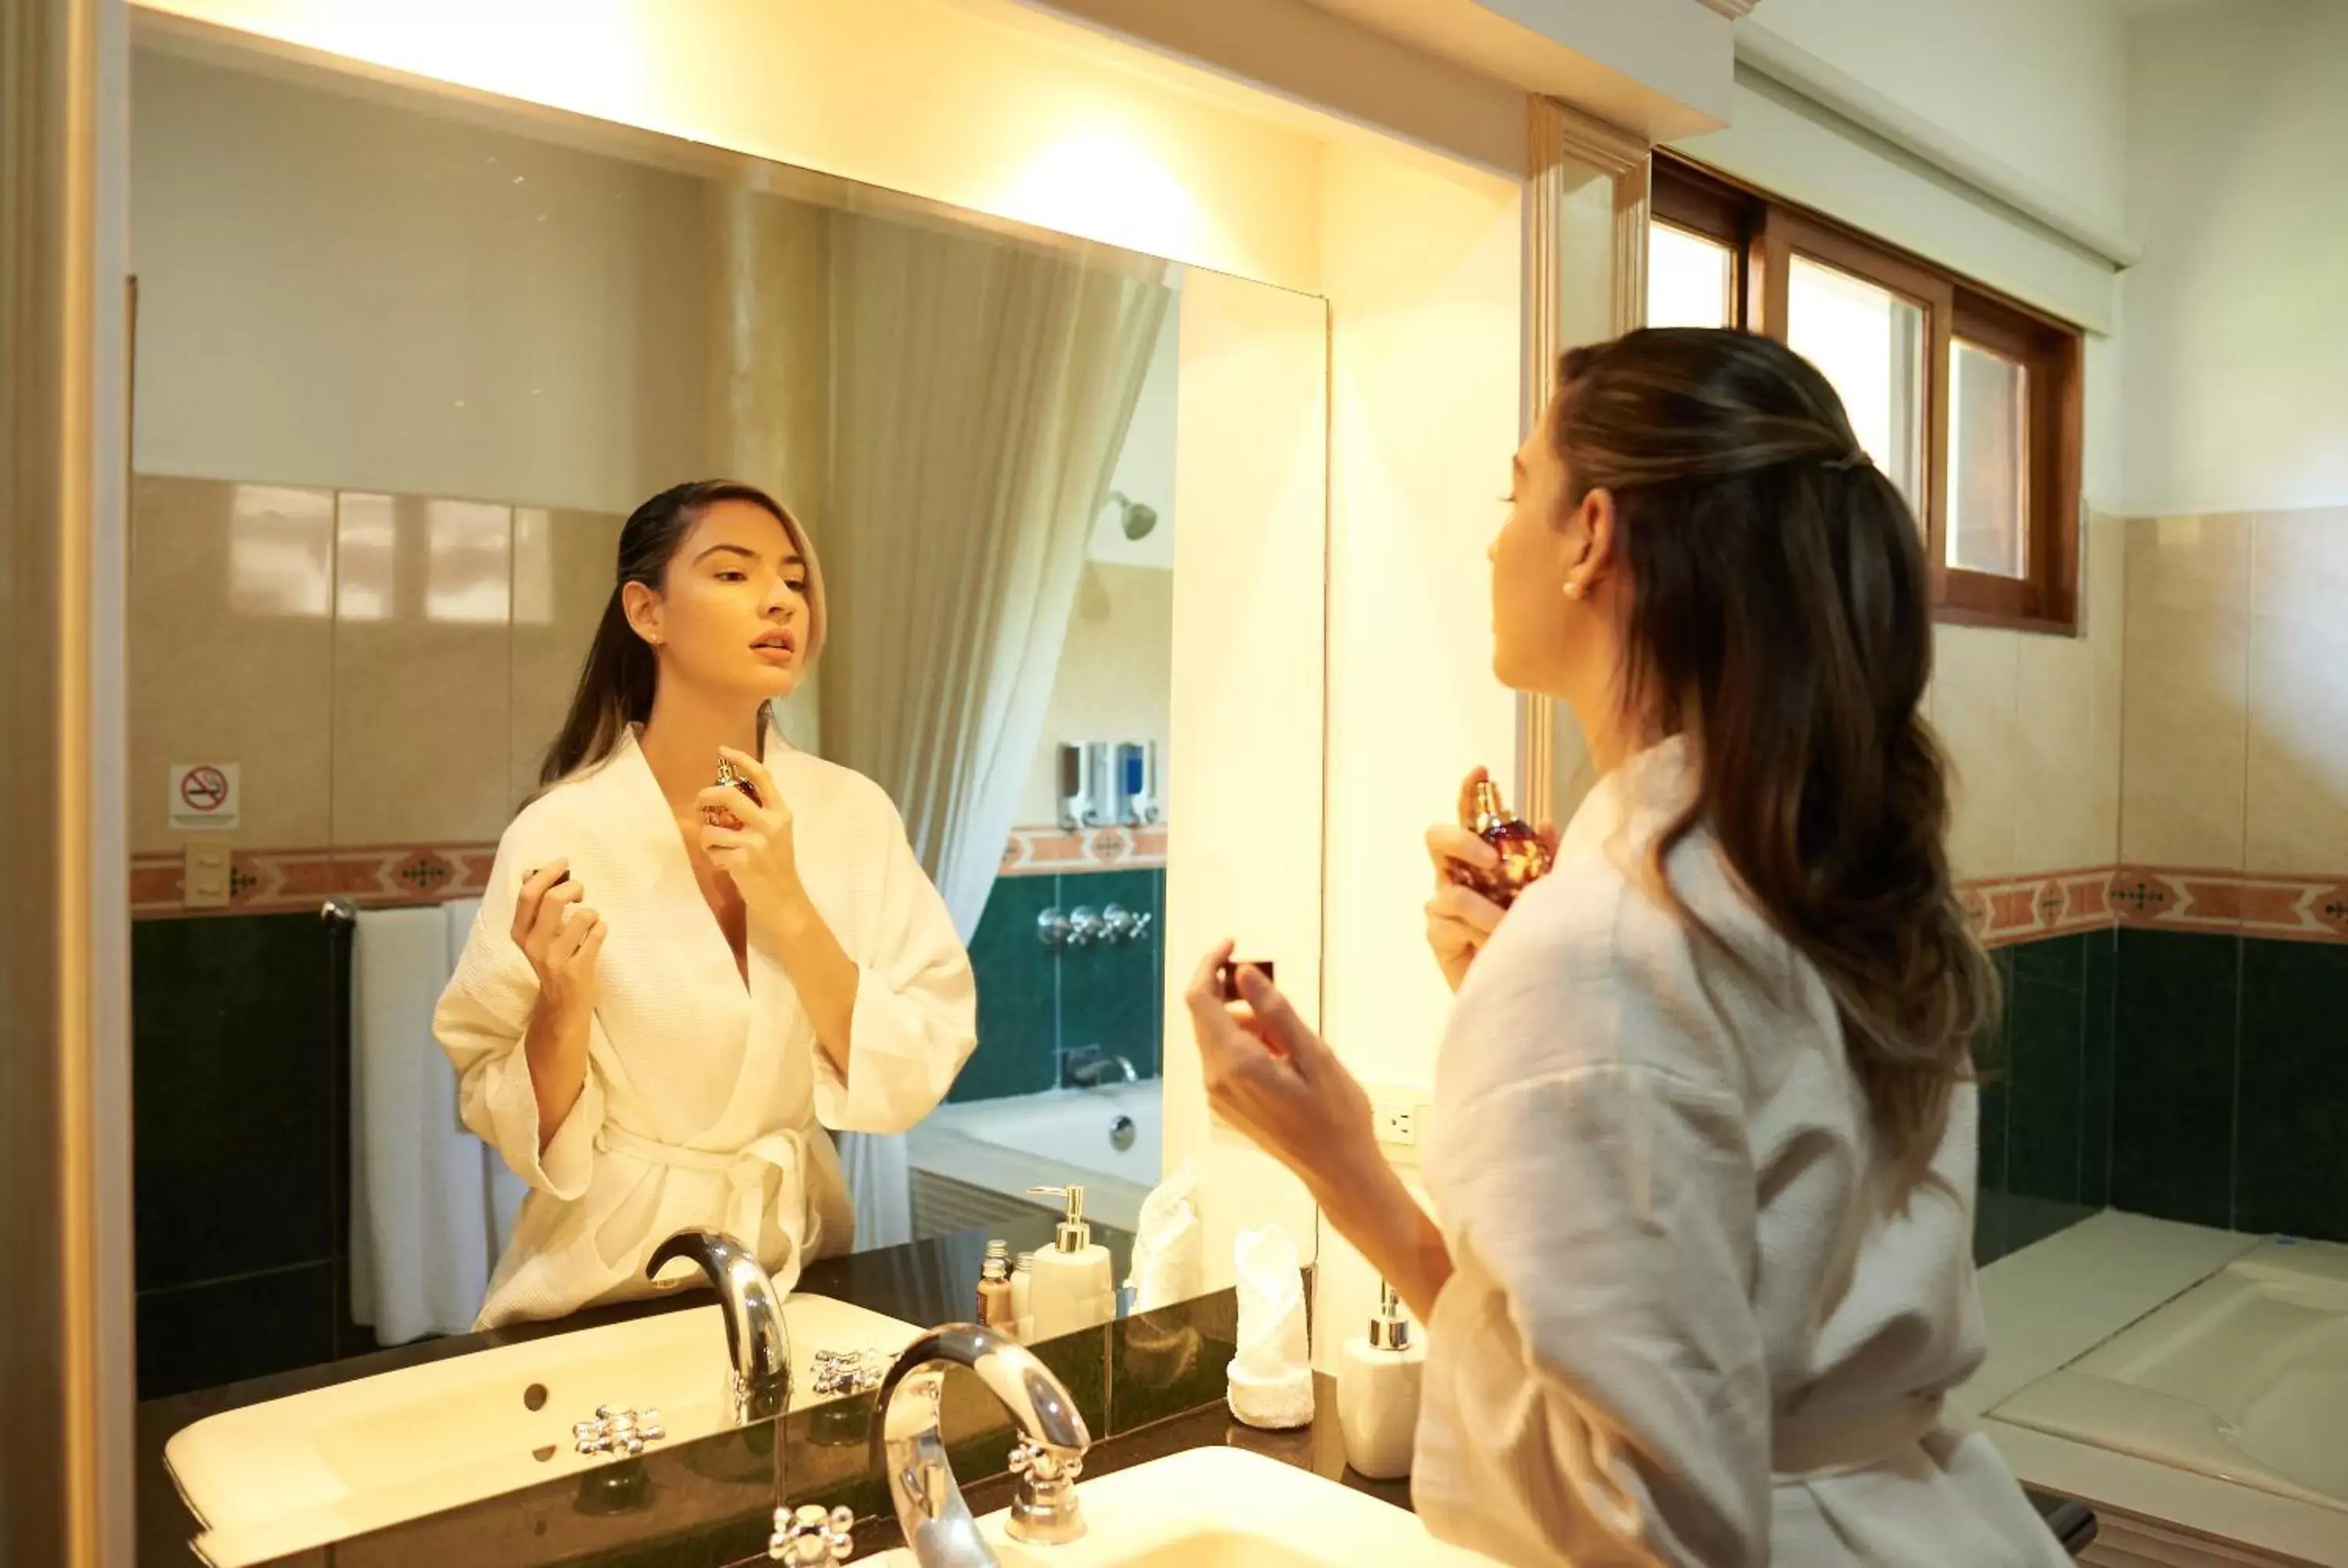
[
  {"x": 2299, "y": 564},
  {"x": 422, "y": 662},
  {"x": 2297, "y": 788},
  {"x": 2184, "y": 736},
  {"x": 563, "y": 572},
  {"x": 1974, "y": 708},
  {"x": 2065, "y": 796},
  {"x": 230, "y": 652},
  {"x": 2190, "y": 563}
]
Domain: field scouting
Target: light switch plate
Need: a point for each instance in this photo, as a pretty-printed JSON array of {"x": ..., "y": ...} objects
[{"x": 204, "y": 878}]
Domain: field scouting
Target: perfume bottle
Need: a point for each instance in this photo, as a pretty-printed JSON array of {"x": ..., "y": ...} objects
[
  {"x": 727, "y": 775},
  {"x": 1524, "y": 858}
]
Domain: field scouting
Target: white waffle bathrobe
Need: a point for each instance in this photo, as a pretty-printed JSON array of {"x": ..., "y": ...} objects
[
  {"x": 705, "y": 1101},
  {"x": 1691, "y": 1322}
]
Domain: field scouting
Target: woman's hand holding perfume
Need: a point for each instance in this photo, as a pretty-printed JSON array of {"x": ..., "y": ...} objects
[{"x": 1481, "y": 864}]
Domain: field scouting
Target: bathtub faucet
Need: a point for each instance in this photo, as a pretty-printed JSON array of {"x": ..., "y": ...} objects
[{"x": 1090, "y": 1065}]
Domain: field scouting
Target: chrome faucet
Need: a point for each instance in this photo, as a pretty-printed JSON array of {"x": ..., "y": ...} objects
[
  {"x": 1090, "y": 1065},
  {"x": 1048, "y": 1456},
  {"x": 757, "y": 1340},
  {"x": 758, "y": 1386}
]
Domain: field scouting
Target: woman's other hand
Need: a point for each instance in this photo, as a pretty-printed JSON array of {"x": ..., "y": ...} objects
[
  {"x": 1459, "y": 919},
  {"x": 1278, "y": 1082},
  {"x": 750, "y": 841},
  {"x": 563, "y": 938}
]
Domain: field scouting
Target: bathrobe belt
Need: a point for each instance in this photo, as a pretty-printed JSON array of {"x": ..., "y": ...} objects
[
  {"x": 1806, "y": 1448},
  {"x": 784, "y": 1152}
]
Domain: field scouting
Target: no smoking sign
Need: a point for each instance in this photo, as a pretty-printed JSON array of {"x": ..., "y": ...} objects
[{"x": 205, "y": 798}]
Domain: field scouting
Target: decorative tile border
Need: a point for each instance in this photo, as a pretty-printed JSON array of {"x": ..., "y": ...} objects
[
  {"x": 1051, "y": 851},
  {"x": 2308, "y": 908},
  {"x": 2005, "y": 909},
  {"x": 383, "y": 877},
  {"x": 276, "y": 881}
]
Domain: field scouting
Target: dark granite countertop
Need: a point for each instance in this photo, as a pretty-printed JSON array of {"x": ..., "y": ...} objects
[{"x": 924, "y": 1282}]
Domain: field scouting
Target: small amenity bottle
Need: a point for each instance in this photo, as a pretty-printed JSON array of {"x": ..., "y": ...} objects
[
  {"x": 1023, "y": 1305},
  {"x": 994, "y": 1310},
  {"x": 1072, "y": 1288},
  {"x": 1524, "y": 858},
  {"x": 1377, "y": 1392}
]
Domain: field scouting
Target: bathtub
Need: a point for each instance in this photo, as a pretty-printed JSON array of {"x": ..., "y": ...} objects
[
  {"x": 1052, "y": 1139},
  {"x": 2244, "y": 1377}
]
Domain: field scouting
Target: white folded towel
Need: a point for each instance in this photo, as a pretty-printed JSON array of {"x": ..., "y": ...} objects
[{"x": 1270, "y": 1382}]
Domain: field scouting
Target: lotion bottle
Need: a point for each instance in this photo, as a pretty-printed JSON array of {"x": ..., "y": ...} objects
[
  {"x": 1071, "y": 1288},
  {"x": 1377, "y": 1392}
]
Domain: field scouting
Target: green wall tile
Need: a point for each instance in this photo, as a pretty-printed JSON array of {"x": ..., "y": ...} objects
[
  {"x": 2292, "y": 1165},
  {"x": 2173, "y": 1074},
  {"x": 1110, "y": 994},
  {"x": 2042, "y": 1118},
  {"x": 2096, "y": 1024},
  {"x": 1018, "y": 993}
]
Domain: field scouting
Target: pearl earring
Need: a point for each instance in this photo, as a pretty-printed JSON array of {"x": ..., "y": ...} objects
[{"x": 1573, "y": 589}]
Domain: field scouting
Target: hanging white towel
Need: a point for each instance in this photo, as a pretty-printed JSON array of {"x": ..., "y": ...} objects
[
  {"x": 420, "y": 1207},
  {"x": 503, "y": 1191}
]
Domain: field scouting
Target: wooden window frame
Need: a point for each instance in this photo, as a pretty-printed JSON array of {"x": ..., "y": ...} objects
[{"x": 1763, "y": 234}]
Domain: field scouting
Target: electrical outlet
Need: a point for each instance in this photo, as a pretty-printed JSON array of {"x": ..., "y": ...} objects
[{"x": 1398, "y": 1118}]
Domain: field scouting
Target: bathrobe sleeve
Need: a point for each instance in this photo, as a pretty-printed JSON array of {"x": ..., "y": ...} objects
[
  {"x": 479, "y": 1022},
  {"x": 1596, "y": 1388},
  {"x": 916, "y": 1016}
]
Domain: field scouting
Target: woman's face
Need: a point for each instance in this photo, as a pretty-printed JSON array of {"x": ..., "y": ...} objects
[
  {"x": 733, "y": 613},
  {"x": 1544, "y": 637}
]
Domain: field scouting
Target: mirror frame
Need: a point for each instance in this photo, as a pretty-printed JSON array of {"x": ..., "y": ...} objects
[{"x": 1562, "y": 138}]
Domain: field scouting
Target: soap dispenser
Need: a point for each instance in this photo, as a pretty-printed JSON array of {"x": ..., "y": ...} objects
[
  {"x": 1377, "y": 1392},
  {"x": 1071, "y": 1287}
]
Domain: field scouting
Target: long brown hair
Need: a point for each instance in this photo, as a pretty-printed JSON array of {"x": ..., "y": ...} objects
[
  {"x": 617, "y": 681},
  {"x": 1780, "y": 618}
]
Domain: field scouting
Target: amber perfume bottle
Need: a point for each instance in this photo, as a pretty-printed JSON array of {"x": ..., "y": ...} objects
[
  {"x": 728, "y": 774},
  {"x": 1524, "y": 858}
]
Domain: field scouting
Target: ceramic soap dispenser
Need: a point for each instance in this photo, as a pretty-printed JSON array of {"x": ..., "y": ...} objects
[
  {"x": 1377, "y": 1392},
  {"x": 1071, "y": 1287}
]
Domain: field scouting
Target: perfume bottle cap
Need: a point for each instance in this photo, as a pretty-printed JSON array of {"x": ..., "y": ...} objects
[
  {"x": 1072, "y": 1234},
  {"x": 1389, "y": 1328},
  {"x": 1489, "y": 812}
]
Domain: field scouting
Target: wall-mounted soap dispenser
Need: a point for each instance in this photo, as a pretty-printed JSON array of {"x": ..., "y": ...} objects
[
  {"x": 1076, "y": 786},
  {"x": 1136, "y": 783},
  {"x": 1071, "y": 1287}
]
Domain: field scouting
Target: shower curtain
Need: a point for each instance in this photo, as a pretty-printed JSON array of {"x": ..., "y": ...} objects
[{"x": 979, "y": 392}]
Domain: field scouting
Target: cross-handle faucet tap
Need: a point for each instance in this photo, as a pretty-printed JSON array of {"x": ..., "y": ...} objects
[
  {"x": 758, "y": 1386},
  {"x": 935, "y": 1520}
]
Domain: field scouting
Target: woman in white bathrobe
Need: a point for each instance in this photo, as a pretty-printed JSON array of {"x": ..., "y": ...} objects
[
  {"x": 1699, "y": 1275},
  {"x": 674, "y": 988}
]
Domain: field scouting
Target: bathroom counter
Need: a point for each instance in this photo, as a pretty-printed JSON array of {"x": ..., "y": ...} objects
[
  {"x": 923, "y": 1282},
  {"x": 2058, "y": 1298},
  {"x": 1319, "y": 1449}
]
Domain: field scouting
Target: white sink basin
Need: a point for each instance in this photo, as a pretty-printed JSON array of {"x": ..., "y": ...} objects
[
  {"x": 1226, "y": 1508},
  {"x": 297, "y": 1472}
]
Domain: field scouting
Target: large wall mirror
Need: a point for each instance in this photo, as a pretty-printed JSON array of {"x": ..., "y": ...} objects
[{"x": 407, "y": 361}]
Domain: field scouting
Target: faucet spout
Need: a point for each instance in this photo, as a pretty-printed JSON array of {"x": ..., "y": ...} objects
[
  {"x": 931, "y": 1511},
  {"x": 757, "y": 1340}
]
